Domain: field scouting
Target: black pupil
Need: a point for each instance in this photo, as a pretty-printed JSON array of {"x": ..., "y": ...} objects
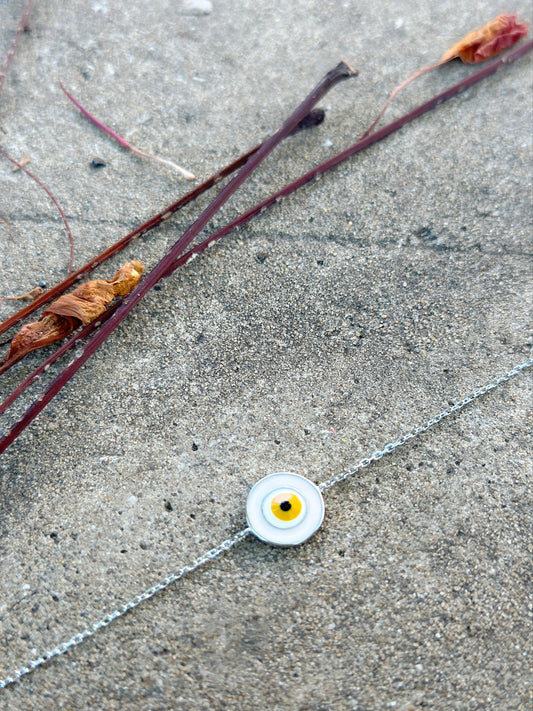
[{"x": 285, "y": 506}]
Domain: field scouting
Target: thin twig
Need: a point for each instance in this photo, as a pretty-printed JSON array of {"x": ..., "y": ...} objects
[
  {"x": 314, "y": 117},
  {"x": 394, "y": 93},
  {"x": 22, "y": 27},
  {"x": 340, "y": 72},
  {"x": 7, "y": 223},
  {"x": 180, "y": 261},
  {"x": 182, "y": 171},
  {"x": 51, "y": 196},
  {"x": 67, "y": 346},
  {"x": 150, "y": 224},
  {"x": 482, "y": 44},
  {"x": 357, "y": 147}
]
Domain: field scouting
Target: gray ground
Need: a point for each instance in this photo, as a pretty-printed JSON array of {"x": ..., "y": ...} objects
[{"x": 344, "y": 316}]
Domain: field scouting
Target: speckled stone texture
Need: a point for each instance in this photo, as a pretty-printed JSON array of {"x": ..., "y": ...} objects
[{"x": 347, "y": 314}]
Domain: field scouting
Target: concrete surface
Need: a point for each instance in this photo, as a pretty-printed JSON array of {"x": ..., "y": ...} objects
[{"x": 344, "y": 316}]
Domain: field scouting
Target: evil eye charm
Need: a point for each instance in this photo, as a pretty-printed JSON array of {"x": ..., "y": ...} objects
[{"x": 284, "y": 509}]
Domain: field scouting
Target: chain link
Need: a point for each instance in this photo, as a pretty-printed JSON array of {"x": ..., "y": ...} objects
[
  {"x": 134, "y": 602},
  {"x": 403, "y": 439},
  {"x": 237, "y": 537}
]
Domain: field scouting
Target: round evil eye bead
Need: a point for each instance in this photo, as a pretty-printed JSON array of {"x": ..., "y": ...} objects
[{"x": 284, "y": 509}]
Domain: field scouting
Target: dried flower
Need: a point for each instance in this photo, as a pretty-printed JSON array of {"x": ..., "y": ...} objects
[
  {"x": 487, "y": 42},
  {"x": 70, "y": 311}
]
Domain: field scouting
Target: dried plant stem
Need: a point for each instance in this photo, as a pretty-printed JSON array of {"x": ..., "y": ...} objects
[
  {"x": 22, "y": 26},
  {"x": 157, "y": 159},
  {"x": 150, "y": 224},
  {"x": 394, "y": 93},
  {"x": 182, "y": 171},
  {"x": 313, "y": 118},
  {"x": 340, "y": 72},
  {"x": 180, "y": 261},
  {"x": 51, "y": 196},
  {"x": 7, "y": 223},
  {"x": 357, "y": 147},
  {"x": 67, "y": 346}
]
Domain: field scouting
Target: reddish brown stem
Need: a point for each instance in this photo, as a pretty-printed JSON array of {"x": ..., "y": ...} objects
[
  {"x": 360, "y": 145},
  {"x": 357, "y": 147},
  {"x": 7, "y": 223},
  {"x": 186, "y": 173},
  {"x": 50, "y": 195},
  {"x": 36, "y": 374},
  {"x": 313, "y": 118},
  {"x": 22, "y": 26},
  {"x": 394, "y": 93},
  {"x": 340, "y": 72},
  {"x": 154, "y": 221}
]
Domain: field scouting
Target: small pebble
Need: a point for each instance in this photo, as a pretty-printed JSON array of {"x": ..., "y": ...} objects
[{"x": 198, "y": 7}]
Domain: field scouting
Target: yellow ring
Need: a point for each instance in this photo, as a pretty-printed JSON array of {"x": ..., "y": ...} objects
[{"x": 286, "y": 506}]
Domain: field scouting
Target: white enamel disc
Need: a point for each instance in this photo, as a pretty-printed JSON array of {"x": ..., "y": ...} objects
[{"x": 284, "y": 509}]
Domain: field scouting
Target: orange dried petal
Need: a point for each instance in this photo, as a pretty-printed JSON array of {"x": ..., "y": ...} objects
[
  {"x": 70, "y": 311},
  {"x": 90, "y": 300},
  {"x": 41, "y": 333},
  {"x": 127, "y": 277},
  {"x": 487, "y": 42},
  {"x": 85, "y": 303},
  {"x": 36, "y": 335}
]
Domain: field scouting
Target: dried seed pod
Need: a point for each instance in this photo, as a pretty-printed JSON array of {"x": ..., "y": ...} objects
[
  {"x": 70, "y": 311},
  {"x": 487, "y": 42}
]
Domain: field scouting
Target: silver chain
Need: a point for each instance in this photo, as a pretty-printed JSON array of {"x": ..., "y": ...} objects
[
  {"x": 237, "y": 537},
  {"x": 388, "y": 448},
  {"x": 134, "y": 602}
]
